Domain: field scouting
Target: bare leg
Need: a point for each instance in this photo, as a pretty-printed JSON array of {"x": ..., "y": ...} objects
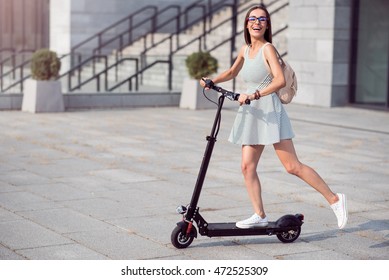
[
  {"x": 250, "y": 159},
  {"x": 287, "y": 155}
]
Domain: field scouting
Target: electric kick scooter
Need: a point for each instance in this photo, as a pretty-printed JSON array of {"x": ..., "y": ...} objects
[{"x": 287, "y": 228}]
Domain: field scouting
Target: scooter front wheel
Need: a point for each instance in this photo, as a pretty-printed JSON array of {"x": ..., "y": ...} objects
[
  {"x": 179, "y": 239},
  {"x": 289, "y": 236}
]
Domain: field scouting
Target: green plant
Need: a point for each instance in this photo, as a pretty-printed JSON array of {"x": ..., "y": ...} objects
[
  {"x": 201, "y": 64},
  {"x": 45, "y": 65}
]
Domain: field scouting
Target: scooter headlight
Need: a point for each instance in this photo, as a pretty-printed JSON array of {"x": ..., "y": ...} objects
[{"x": 181, "y": 209}]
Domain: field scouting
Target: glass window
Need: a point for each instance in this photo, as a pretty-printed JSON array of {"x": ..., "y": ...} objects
[{"x": 371, "y": 79}]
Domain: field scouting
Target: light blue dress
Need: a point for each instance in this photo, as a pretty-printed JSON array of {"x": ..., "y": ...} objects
[{"x": 264, "y": 121}]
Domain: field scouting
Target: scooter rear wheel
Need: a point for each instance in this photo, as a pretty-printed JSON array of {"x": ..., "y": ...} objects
[
  {"x": 179, "y": 238},
  {"x": 289, "y": 236}
]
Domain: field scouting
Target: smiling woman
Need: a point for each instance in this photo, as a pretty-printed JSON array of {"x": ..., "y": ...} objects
[
  {"x": 250, "y": 19},
  {"x": 265, "y": 121}
]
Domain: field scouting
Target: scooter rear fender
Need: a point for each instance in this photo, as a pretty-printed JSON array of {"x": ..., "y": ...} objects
[{"x": 290, "y": 220}]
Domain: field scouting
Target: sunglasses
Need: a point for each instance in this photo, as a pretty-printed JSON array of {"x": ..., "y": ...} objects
[{"x": 254, "y": 19}]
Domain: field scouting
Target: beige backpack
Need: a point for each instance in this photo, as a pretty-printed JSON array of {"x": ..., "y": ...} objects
[{"x": 286, "y": 93}]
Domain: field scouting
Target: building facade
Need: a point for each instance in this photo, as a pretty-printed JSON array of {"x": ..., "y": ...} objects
[
  {"x": 338, "y": 48},
  {"x": 340, "y": 52}
]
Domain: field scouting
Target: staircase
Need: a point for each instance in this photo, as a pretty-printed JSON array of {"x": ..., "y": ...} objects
[{"x": 156, "y": 78}]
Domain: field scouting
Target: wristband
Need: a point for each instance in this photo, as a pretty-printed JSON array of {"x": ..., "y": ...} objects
[{"x": 257, "y": 95}]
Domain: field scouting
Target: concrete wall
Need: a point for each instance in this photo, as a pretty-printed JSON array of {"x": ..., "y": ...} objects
[{"x": 318, "y": 49}]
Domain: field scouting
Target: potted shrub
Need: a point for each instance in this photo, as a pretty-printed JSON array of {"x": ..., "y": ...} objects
[
  {"x": 43, "y": 91},
  {"x": 199, "y": 64}
]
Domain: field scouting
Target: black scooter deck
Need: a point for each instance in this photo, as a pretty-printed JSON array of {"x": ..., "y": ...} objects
[{"x": 230, "y": 229}]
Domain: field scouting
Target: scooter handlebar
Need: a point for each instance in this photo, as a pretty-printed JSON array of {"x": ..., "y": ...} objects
[{"x": 229, "y": 94}]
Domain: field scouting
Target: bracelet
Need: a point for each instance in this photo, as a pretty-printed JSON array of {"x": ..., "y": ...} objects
[{"x": 257, "y": 95}]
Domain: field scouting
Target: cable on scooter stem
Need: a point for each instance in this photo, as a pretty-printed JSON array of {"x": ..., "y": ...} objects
[{"x": 225, "y": 93}]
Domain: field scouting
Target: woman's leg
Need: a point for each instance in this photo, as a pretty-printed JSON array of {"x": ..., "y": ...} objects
[
  {"x": 287, "y": 155},
  {"x": 250, "y": 159}
]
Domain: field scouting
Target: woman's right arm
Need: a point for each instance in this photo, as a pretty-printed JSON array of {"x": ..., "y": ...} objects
[{"x": 230, "y": 73}]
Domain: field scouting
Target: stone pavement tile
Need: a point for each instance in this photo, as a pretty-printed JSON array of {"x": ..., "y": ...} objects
[
  {"x": 121, "y": 245},
  {"x": 6, "y": 216},
  {"x": 275, "y": 249},
  {"x": 122, "y": 176},
  {"x": 22, "y": 177},
  {"x": 145, "y": 195},
  {"x": 62, "y": 252},
  {"x": 23, "y": 234},
  {"x": 156, "y": 228},
  {"x": 100, "y": 208},
  {"x": 217, "y": 248},
  {"x": 64, "y": 220},
  {"x": 7, "y": 254},
  {"x": 316, "y": 255},
  {"x": 58, "y": 192},
  {"x": 355, "y": 246},
  {"x": 24, "y": 201},
  {"x": 91, "y": 184},
  {"x": 64, "y": 167},
  {"x": 122, "y": 204}
]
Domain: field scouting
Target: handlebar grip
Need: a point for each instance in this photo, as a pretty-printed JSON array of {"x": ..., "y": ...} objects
[
  {"x": 208, "y": 83},
  {"x": 247, "y": 101}
]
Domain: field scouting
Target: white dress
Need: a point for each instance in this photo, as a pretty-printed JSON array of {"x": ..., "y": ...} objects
[{"x": 264, "y": 121}]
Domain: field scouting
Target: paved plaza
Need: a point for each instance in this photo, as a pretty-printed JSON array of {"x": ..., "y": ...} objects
[{"x": 104, "y": 184}]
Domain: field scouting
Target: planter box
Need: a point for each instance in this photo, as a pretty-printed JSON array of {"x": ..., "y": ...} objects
[
  {"x": 192, "y": 96},
  {"x": 42, "y": 97}
]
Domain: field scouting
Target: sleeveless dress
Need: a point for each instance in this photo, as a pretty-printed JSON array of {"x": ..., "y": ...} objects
[{"x": 264, "y": 121}]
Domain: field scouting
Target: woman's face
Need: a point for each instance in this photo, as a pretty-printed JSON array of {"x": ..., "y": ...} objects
[{"x": 257, "y": 23}]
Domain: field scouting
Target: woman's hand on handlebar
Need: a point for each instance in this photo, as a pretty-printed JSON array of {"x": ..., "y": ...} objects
[
  {"x": 242, "y": 98},
  {"x": 203, "y": 82}
]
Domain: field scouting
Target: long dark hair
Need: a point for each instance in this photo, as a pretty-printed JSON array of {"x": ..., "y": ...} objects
[{"x": 268, "y": 33}]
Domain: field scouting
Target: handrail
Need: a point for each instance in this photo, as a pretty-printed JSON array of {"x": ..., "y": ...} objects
[
  {"x": 230, "y": 39},
  {"x": 120, "y": 37},
  {"x": 97, "y": 75},
  {"x": 12, "y": 58},
  {"x": 21, "y": 66},
  {"x": 129, "y": 31},
  {"x": 115, "y": 24},
  {"x": 129, "y": 79},
  {"x": 153, "y": 30},
  {"x": 211, "y": 9},
  {"x": 68, "y": 73},
  {"x": 23, "y": 78}
]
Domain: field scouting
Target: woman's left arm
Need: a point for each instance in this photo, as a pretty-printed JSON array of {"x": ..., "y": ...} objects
[{"x": 278, "y": 81}]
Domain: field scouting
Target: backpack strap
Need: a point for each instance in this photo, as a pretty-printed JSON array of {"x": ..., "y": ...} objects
[
  {"x": 264, "y": 58},
  {"x": 281, "y": 61}
]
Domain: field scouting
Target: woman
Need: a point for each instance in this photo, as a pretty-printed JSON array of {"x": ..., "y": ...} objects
[{"x": 265, "y": 121}]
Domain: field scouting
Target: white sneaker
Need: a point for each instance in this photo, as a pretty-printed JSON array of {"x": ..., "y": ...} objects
[
  {"x": 254, "y": 221},
  {"x": 340, "y": 210}
]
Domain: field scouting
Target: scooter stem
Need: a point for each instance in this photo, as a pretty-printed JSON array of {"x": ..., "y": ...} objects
[{"x": 204, "y": 165}]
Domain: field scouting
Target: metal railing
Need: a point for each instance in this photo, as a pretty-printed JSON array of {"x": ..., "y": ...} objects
[
  {"x": 96, "y": 76},
  {"x": 180, "y": 28},
  {"x": 206, "y": 16},
  {"x": 201, "y": 39}
]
